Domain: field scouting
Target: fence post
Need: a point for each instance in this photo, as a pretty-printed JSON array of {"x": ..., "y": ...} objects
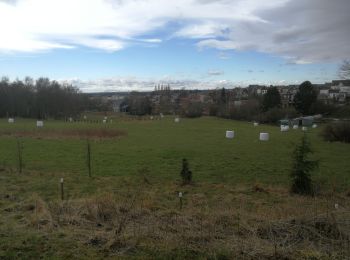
[
  {"x": 19, "y": 154},
  {"x": 62, "y": 191},
  {"x": 88, "y": 157}
]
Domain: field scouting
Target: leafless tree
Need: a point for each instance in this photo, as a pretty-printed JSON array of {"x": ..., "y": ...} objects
[{"x": 344, "y": 70}]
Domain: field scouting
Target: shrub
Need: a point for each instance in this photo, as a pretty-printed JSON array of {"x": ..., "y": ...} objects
[
  {"x": 213, "y": 109},
  {"x": 339, "y": 131},
  {"x": 186, "y": 174},
  {"x": 275, "y": 114},
  {"x": 321, "y": 108},
  {"x": 302, "y": 166},
  {"x": 194, "y": 109},
  {"x": 248, "y": 110},
  {"x": 342, "y": 111}
]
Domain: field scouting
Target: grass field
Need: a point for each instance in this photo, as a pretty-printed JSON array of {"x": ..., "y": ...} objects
[
  {"x": 160, "y": 145},
  {"x": 129, "y": 208}
]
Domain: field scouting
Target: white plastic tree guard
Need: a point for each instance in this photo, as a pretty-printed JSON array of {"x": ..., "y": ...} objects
[
  {"x": 295, "y": 127},
  {"x": 230, "y": 134},
  {"x": 314, "y": 126},
  {"x": 256, "y": 124},
  {"x": 304, "y": 128},
  {"x": 70, "y": 119},
  {"x": 151, "y": 117},
  {"x": 11, "y": 120},
  {"x": 161, "y": 115},
  {"x": 104, "y": 121},
  {"x": 39, "y": 123},
  {"x": 85, "y": 117},
  {"x": 264, "y": 136},
  {"x": 177, "y": 120}
]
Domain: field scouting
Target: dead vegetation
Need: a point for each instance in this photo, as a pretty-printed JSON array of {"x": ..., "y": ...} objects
[
  {"x": 140, "y": 219},
  {"x": 120, "y": 224},
  {"x": 91, "y": 133}
]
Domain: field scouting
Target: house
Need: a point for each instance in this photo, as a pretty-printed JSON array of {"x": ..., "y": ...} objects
[
  {"x": 261, "y": 90},
  {"x": 335, "y": 92},
  {"x": 340, "y": 90},
  {"x": 287, "y": 95}
]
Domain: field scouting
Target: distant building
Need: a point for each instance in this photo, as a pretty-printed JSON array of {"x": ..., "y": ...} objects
[
  {"x": 335, "y": 92},
  {"x": 287, "y": 95}
]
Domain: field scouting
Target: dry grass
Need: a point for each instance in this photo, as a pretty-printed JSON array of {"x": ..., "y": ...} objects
[
  {"x": 98, "y": 133},
  {"x": 238, "y": 226},
  {"x": 129, "y": 217}
]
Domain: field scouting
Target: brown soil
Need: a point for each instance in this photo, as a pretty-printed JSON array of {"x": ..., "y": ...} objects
[{"x": 67, "y": 133}]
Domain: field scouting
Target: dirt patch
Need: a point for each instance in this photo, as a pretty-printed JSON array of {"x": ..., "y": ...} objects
[{"x": 67, "y": 133}]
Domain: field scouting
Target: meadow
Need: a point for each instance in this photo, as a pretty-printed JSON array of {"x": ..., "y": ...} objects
[
  {"x": 237, "y": 207},
  {"x": 160, "y": 145}
]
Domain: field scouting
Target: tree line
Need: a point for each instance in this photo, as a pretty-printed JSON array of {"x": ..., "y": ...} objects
[
  {"x": 41, "y": 98},
  {"x": 268, "y": 107},
  {"x": 265, "y": 108}
]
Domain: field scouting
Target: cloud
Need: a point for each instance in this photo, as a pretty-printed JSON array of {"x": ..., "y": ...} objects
[
  {"x": 299, "y": 31},
  {"x": 38, "y": 25},
  {"x": 202, "y": 30},
  {"x": 138, "y": 84},
  {"x": 224, "y": 55},
  {"x": 127, "y": 84},
  {"x": 215, "y": 73}
]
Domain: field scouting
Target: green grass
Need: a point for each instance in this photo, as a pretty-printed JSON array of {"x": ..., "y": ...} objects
[
  {"x": 160, "y": 146},
  {"x": 35, "y": 224}
]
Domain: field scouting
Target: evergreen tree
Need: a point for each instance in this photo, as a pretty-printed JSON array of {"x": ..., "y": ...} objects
[
  {"x": 302, "y": 167},
  {"x": 223, "y": 97},
  {"x": 305, "y": 97},
  {"x": 272, "y": 99}
]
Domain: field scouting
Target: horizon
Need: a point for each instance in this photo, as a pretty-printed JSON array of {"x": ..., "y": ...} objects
[{"x": 123, "y": 46}]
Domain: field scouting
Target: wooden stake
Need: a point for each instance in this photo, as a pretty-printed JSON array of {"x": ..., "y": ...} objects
[
  {"x": 180, "y": 198},
  {"x": 62, "y": 191},
  {"x": 88, "y": 158},
  {"x": 19, "y": 153}
]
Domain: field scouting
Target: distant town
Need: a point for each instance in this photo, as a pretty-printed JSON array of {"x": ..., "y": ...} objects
[{"x": 335, "y": 93}]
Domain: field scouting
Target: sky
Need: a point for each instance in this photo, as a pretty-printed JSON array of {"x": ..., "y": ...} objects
[{"x": 123, "y": 45}]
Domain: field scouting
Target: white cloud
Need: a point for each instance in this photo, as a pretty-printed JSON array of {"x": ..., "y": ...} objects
[
  {"x": 217, "y": 44},
  {"x": 35, "y": 25},
  {"x": 215, "y": 73},
  {"x": 127, "y": 84},
  {"x": 298, "y": 30},
  {"x": 202, "y": 31}
]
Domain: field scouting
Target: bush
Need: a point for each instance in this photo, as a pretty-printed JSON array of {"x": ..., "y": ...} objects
[
  {"x": 213, "y": 110},
  {"x": 248, "y": 110},
  {"x": 321, "y": 108},
  {"x": 339, "y": 131},
  {"x": 275, "y": 114},
  {"x": 302, "y": 166},
  {"x": 186, "y": 174},
  {"x": 342, "y": 112},
  {"x": 194, "y": 109}
]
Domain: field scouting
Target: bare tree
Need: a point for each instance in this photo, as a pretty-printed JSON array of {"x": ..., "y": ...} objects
[{"x": 344, "y": 70}]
